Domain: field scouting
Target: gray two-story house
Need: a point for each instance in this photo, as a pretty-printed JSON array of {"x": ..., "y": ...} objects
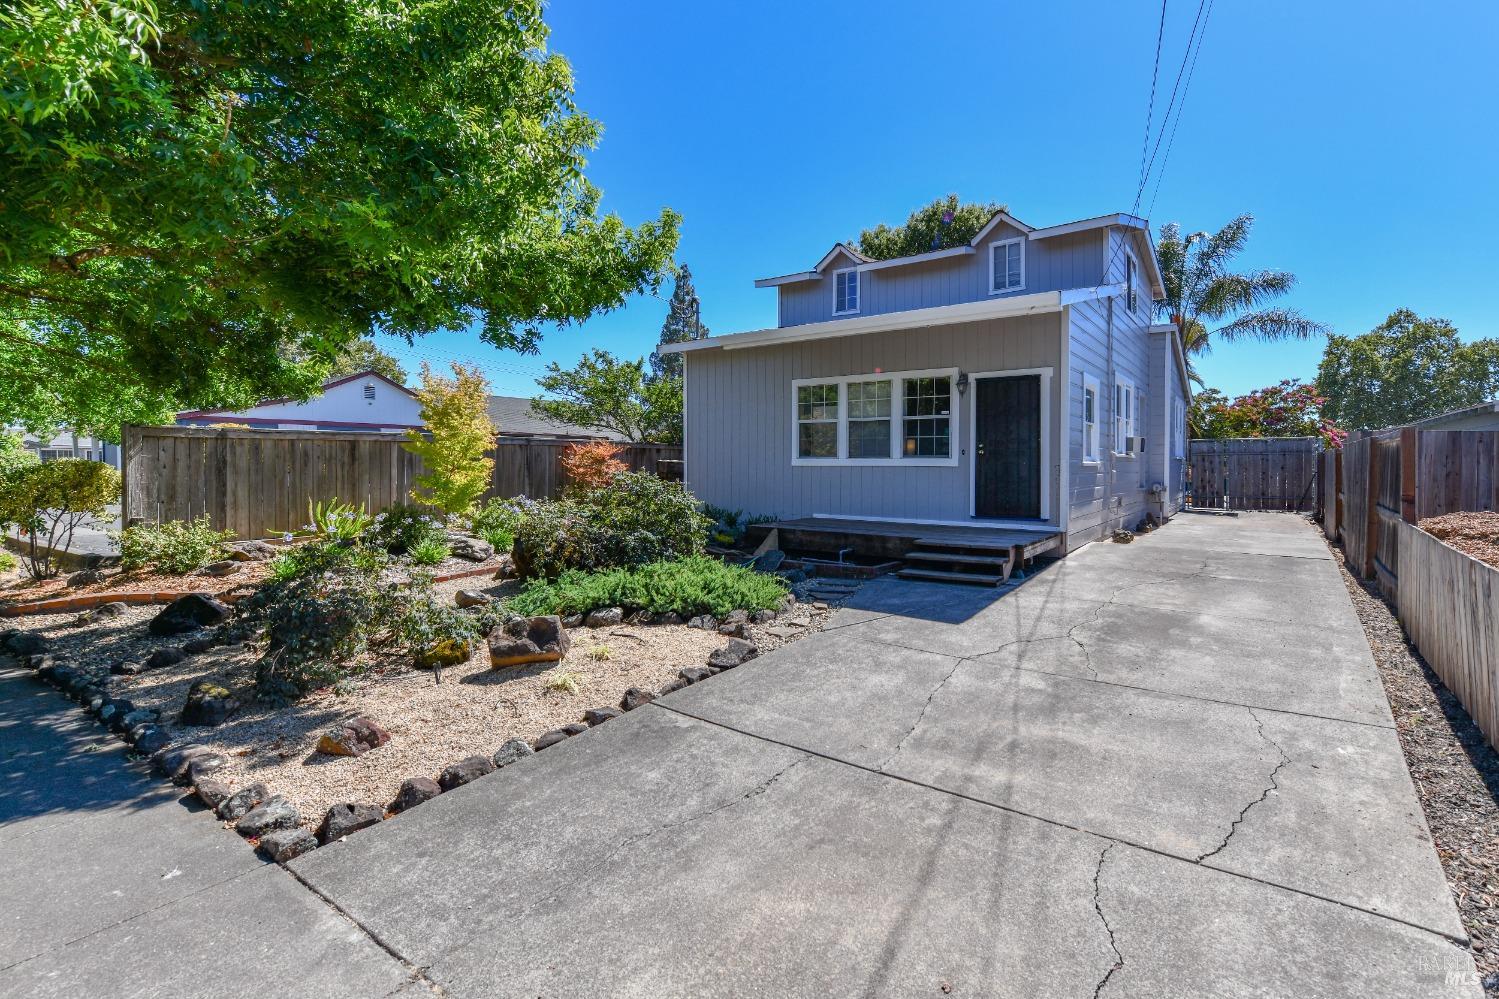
[{"x": 1015, "y": 382}]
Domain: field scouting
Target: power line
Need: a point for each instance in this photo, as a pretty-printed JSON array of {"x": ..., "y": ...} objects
[
  {"x": 1186, "y": 55},
  {"x": 1172, "y": 141},
  {"x": 1155, "y": 70}
]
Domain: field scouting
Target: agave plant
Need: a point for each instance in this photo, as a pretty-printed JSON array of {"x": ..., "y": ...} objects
[{"x": 337, "y": 521}]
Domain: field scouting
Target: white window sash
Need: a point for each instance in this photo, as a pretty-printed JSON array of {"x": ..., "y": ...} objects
[
  {"x": 1090, "y": 427},
  {"x": 999, "y": 266},
  {"x": 846, "y": 285}
]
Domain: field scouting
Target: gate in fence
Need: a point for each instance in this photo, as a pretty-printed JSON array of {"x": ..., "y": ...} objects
[{"x": 1269, "y": 473}]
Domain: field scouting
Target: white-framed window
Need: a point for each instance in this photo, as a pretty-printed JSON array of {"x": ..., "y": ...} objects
[
  {"x": 1006, "y": 266},
  {"x": 884, "y": 418},
  {"x": 1130, "y": 270},
  {"x": 817, "y": 420},
  {"x": 869, "y": 408},
  {"x": 1124, "y": 415},
  {"x": 845, "y": 292},
  {"x": 1090, "y": 419},
  {"x": 1178, "y": 429}
]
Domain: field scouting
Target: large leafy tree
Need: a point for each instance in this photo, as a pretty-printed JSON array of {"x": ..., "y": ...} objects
[
  {"x": 1288, "y": 409},
  {"x": 1405, "y": 369},
  {"x": 683, "y": 323},
  {"x": 941, "y": 225},
  {"x": 1210, "y": 302},
  {"x": 203, "y": 204},
  {"x": 606, "y": 393}
]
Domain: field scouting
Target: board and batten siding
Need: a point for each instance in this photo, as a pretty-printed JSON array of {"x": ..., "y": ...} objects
[
  {"x": 1096, "y": 509},
  {"x": 739, "y": 419},
  {"x": 1053, "y": 264}
]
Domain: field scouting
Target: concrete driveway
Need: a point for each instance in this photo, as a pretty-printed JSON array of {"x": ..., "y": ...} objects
[{"x": 1162, "y": 769}]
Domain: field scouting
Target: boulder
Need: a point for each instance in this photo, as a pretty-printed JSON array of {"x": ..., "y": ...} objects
[
  {"x": 576, "y": 728},
  {"x": 762, "y": 617},
  {"x": 548, "y": 739},
  {"x": 528, "y": 640},
  {"x": 353, "y": 738},
  {"x": 187, "y": 613},
  {"x": 736, "y": 653},
  {"x": 464, "y": 771},
  {"x": 635, "y": 697},
  {"x": 197, "y": 646},
  {"x": 163, "y": 657},
  {"x": 512, "y": 751},
  {"x": 734, "y": 629},
  {"x": 138, "y": 717},
  {"x": 120, "y": 667},
  {"x": 597, "y": 716},
  {"x": 693, "y": 674},
  {"x": 572, "y": 620},
  {"x": 706, "y": 622},
  {"x": 151, "y": 739},
  {"x": 415, "y": 791},
  {"x": 736, "y": 617},
  {"x": 222, "y": 568},
  {"x": 470, "y": 549},
  {"x": 170, "y": 761},
  {"x": 212, "y": 791},
  {"x": 25, "y": 643},
  {"x": 86, "y": 577},
  {"x": 201, "y": 767},
  {"x": 239, "y": 804},
  {"x": 672, "y": 686},
  {"x": 472, "y": 598},
  {"x": 104, "y": 612},
  {"x": 282, "y": 845},
  {"x": 208, "y": 704},
  {"x": 113, "y": 711},
  {"x": 348, "y": 817},
  {"x": 604, "y": 617},
  {"x": 251, "y": 551},
  {"x": 273, "y": 813},
  {"x": 446, "y": 653}
]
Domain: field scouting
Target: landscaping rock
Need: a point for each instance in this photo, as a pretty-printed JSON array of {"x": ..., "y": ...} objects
[
  {"x": 151, "y": 739},
  {"x": 197, "y": 646},
  {"x": 576, "y": 728},
  {"x": 201, "y": 767},
  {"x": 734, "y": 629},
  {"x": 635, "y": 697},
  {"x": 572, "y": 620},
  {"x": 674, "y": 685},
  {"x": 348, "y": 817},
  {"x": 85, "y": 578},
  {"x": 464, "y": 771},
  {"x": 470, "y": 549},
  {"x": 122, "y": 668},
  {"x": 282, "y": 845},
  {"x": 446, "y": 653},
  {"x": 113, "y": 711},
  {"x": 1123, "y": 537},
  {"x": 139, "y": 717},
  {"x": 604, "y": 617},
  {"x": 528, "y": 640},
  {"x": 208, "y": 704},
  {"x": 641, "y": 617},
  {"x": 239, "y": 804},
  {"x": 187, "y": 613},
  {"x": 670, "y": 617},
  {"x": 706, "y": 622},
  {"x": 170, "y": 762},
  {"x": 736, "y": 653},
  {"x": 762, "y": 617},
  {"x": 415, "y": 791},
  {"x": 251, "y": 551},
  {"x": 512, "y": 751},
  {"x": 692, "y": 674},
  {"x": 767, "y": 561},
  {"x": 226, "y": 567},
  {"x": 353, "y": 738},
  {"x": 104, "y": 612},
  {"x": 163, "y": 657},
  {"x": 472, "y": 598},
  {"x": 212, "y": 791},
  {"x": 548, "y": 739},
  {"x": 597, "y": 716},
  {"x": 25, "y": 643},
  {"x": 273, "y": 813}
]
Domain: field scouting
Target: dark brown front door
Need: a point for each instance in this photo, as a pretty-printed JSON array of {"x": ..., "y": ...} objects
[{"x": 1007, "y": 446}]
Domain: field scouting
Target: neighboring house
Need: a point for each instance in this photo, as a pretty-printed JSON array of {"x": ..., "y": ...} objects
[
  {"x": 66, "y": 444},
  {"x": 1015, "y": 382},
  {"x": 370, "y": 402},
  {"x": 1484, "y": 416}
]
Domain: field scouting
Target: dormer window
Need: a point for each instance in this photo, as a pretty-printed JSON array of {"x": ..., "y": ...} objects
[
  {"x": 1006, "y": 266},
  {"x": 845, "y": 292}
]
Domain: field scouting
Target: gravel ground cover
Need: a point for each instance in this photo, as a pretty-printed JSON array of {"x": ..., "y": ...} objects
[
  {"x": 435, "y": 719},
  {"x": 22, "y": 588},
  {"x": 1455, "y": 771},
  {"x": 1473, "y": 532}
]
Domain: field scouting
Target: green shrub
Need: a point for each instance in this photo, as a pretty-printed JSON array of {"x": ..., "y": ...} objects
[
  {"x": 7, "y": 561},
  {"x": 14, "y": 453},
  {"x": 637, "y": 519},
  {"x": 498, "y": 520},
  {"x": 428, "y": 551},
  {"x": 50, "y": 500},
  {"x": 176, "y": 547},
  {"x": 696, "y": 585},
  {"x": 326, "y": 556},
  {"x": 400, "y": 528}
]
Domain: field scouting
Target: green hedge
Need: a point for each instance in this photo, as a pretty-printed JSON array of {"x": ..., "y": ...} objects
[{"x": 696, "y": 585}]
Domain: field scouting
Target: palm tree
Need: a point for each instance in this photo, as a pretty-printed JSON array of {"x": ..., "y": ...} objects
[{"x": 1201, "y": 292}]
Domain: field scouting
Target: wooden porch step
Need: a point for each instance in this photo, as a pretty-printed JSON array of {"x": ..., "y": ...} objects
[
  {"x": 936, "y": 576},
  {"x": 994, "y": 561}
]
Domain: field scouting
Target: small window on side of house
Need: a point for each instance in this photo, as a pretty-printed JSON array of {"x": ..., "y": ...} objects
[
  {"x": 845, "y": 292},
  {"x": 1090, "y": 419},
  {"x": 1124, "y": 415},
  {"x": 1007, "y": 266},
  {"x": 1130, "y": 268},
  {"x": 817, "y": 420}
]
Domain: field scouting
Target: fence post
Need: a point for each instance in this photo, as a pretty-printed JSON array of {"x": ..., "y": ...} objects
[
  {"x": 1409, "y": 456},
  {"x": 1371, "y": 512}
]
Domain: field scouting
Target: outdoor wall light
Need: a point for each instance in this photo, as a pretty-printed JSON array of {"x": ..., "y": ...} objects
[{"x": 962, "y": 382}]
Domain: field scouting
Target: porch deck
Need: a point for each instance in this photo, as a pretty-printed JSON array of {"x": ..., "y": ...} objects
[{"x": 897, "y": 539}]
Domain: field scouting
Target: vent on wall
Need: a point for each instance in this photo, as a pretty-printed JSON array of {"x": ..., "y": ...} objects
[{"x": 369, "y": 391}]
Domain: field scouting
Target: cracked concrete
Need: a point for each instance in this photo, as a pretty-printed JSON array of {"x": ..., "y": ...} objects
[
  {"x": 1103, "y": 856},
  {"x": 1271, "y": 786}
]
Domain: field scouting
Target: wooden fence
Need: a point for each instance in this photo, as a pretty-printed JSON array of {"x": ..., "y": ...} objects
[
  {"x": 259, "y": 482},
  {"x": 1449, "y": 604},
  {"x": 1271, "y": 473}
]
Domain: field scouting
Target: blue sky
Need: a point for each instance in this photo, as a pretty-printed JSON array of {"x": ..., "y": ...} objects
[{"x": 1360, "y": 135}]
